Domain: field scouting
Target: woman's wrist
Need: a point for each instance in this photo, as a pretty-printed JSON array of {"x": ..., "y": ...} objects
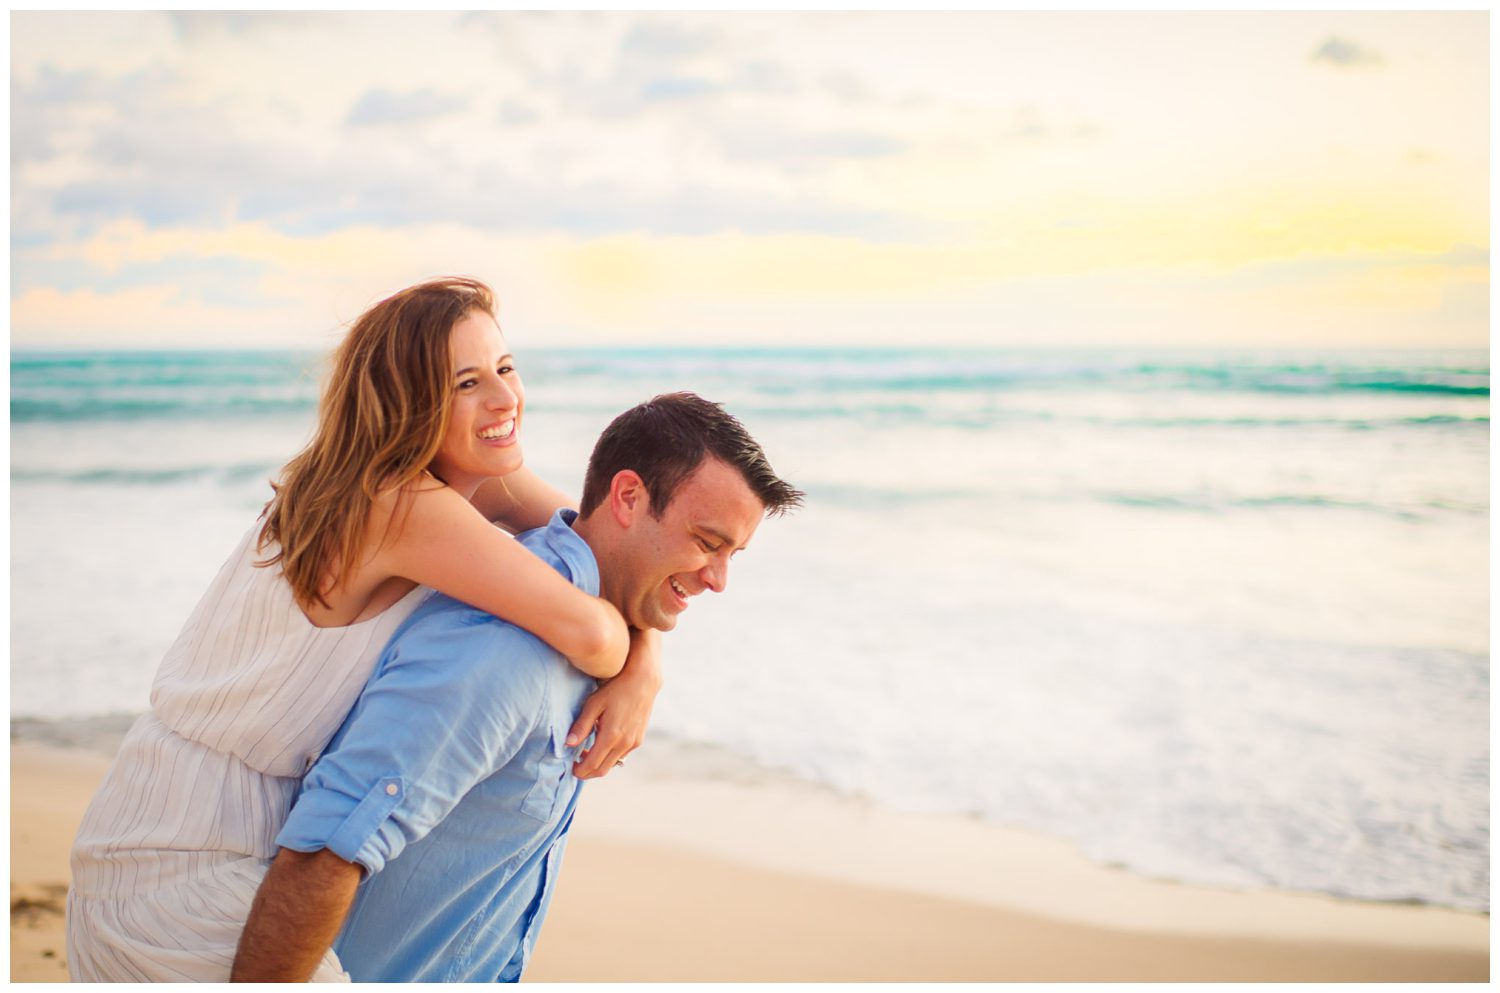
[{"x": 644, "y": 660}]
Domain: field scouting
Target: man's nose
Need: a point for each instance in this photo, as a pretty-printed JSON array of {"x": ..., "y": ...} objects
[{"x": 715, "y": 575}]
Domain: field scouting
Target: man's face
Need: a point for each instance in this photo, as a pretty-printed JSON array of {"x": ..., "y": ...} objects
[{"x": 666, "y": 561}]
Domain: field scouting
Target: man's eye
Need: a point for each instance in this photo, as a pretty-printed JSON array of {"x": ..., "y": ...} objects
[{"x": 706, "y": 546}]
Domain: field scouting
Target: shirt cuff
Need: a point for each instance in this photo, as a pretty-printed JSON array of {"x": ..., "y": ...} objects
[{"x": 348, "y": 827}]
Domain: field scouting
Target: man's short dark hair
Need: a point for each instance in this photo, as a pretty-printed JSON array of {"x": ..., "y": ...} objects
[{"x": 665, "y": 439}]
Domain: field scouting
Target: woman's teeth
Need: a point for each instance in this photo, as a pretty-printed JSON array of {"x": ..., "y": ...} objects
[{"x": 499, "y": 432}]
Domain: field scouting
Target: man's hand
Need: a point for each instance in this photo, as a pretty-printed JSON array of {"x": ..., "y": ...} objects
[
  {"x": 298, "y": 910},
  {"x": 621, "y": 708}
]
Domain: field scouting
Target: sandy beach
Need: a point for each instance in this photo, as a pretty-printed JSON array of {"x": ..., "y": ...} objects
[{"x": 673, "y": 875}]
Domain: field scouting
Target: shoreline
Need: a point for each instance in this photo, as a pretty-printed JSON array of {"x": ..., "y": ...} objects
[
  {"x": 773, "y": 822},
  {"x": 672, "y": 875}
]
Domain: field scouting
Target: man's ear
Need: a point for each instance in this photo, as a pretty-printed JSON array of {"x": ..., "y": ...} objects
[{"x": 628, "y": 497}]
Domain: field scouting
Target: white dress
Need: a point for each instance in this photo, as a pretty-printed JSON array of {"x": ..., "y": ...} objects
[{"x": 182, "y": 830}]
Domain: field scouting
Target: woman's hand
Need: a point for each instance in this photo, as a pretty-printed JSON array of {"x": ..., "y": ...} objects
[{"x": 619, "y": 710}]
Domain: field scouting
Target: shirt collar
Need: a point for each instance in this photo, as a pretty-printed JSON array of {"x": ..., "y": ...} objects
[{"x": 569, "y": 546}]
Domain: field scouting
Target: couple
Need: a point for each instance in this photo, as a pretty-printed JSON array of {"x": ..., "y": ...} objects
[{"x": 465, "y": 720}]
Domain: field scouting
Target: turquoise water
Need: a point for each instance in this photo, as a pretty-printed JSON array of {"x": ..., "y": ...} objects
[
  {"x": 61, "y": 386},
  {"x": 1216, "y": 616}
]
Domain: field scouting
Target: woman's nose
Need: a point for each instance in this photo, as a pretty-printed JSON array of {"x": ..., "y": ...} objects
[{"x": 502, "y": 397}]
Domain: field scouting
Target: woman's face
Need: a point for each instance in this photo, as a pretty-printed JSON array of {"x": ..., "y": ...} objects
[{"x": 484, "y": 425}]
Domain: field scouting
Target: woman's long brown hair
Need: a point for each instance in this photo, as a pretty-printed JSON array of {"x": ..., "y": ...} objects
[{"x": 380, "y": 423}]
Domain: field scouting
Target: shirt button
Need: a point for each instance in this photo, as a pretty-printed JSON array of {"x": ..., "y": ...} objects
[{"x": 390, "y": 789}]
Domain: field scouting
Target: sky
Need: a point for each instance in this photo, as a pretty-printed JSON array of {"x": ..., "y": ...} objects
[{"x": 823, "y": 179}]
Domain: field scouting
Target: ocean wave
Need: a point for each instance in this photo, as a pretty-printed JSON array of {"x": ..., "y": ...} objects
[
  {"x": 953, "y": 387},
  {"x": 34, "y": 409},
  {"x": 1210, "y": 504},
  {"x": 138, "y": 476},
  {"x": 898, "y": 498},
  {"x": 776, "y": 372},
  {"x": 1322, "y": 379},
  {"x": 1348, "y": 423},
  {"x": 959, "y": 416},
  {"x": 145, "y": 385}
]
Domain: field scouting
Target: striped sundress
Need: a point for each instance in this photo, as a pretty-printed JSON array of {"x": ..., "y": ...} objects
[{"x": 182, "y": 830}]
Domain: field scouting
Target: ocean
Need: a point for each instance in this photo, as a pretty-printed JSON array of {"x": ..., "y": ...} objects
[{"x": 1213, "y": 616}]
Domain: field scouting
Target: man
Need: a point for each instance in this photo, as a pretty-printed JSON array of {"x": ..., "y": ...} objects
[{"x": 448, "y": 786}]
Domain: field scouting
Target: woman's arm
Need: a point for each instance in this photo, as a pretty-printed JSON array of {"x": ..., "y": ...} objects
[
  {"x": 439, "y": 540},
  {"x": 520, "y": 501}
]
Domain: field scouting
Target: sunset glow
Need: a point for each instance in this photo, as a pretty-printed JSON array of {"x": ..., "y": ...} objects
[{"x": 1001, "y": 178}]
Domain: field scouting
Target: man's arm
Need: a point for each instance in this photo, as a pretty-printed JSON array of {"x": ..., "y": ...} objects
[
  {"x": 297, "y": 913},
  {"x": 450, "y": 701}
]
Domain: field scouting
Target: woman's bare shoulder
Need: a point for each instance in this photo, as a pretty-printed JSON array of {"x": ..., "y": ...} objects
[
  {"x": 422, "y": 510},
  {"x": 425, "y": 488},
  {"x": 408, "y": 510}
]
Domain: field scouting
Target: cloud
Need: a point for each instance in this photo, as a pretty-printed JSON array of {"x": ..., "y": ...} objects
[
  {"x": 765, "y": 77},
  {"x": 166, "y": 160},
  {"x": 1021, "y": 126},
  {"x": 1464, "y": 256},
  {"x": 217, "y": 280},
  {"x": 31, "y": 135},
  {"x": 172, "y": 167},
  {"x": 847, "y": 87},
  {"x": 198, "y": 25},
  {"x": 1027, "y": 125},
  {"x": 666, "y": 88},
  {"x": 630, "y": 92},
  {"x": 53, "y": 87},
  {"x": 629, "y": 68},
  {"x": 181, "y": 175},
  {"x": 1346, "y": 54},
  {"x": 94, "y": 147},
  {"x": 159, "y": 315},
  {"x": 382, "y": 107},
  {"x": 661, "y": 40},
  {"x": 514, "y": 113},
  {"x": 765, "y": 141},
  {"x": 43, "y": 108},
  {"x": 642, "y": 288}
]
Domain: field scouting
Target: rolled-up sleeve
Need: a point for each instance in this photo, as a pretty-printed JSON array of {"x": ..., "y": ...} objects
[{"x": 453, "y": 698}]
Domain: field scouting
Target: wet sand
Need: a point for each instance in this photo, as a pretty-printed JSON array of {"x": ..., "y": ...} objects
[{"x": 747, "y": 878}]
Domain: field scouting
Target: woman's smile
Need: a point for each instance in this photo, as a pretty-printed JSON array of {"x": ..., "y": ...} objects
[{"x": 504, "y": 432}]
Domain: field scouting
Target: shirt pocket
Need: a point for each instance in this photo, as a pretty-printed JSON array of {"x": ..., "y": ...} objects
[{"x": 552, "y": 772}]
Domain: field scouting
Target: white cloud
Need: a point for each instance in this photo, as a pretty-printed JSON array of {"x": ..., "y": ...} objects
[
  {"x": 383, "y": 107},
  {"x": 1346, "y": 54}
]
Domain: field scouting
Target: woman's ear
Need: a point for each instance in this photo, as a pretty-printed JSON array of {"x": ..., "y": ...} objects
[{"x": 628, "y": 497}]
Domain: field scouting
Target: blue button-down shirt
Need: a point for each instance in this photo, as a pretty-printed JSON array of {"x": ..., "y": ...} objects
[{"x": 453, "y": 759}]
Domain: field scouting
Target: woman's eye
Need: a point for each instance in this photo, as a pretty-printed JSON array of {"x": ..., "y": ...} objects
[
  {"x": 468, "y": 384},
  {"x": 506, "y": 370}
]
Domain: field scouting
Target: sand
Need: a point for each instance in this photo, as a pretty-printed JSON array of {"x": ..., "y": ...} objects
[{"x": 746, "y": 877}]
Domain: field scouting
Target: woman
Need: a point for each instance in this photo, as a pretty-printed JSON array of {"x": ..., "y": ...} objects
[{"x": 395, "y": 493}]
